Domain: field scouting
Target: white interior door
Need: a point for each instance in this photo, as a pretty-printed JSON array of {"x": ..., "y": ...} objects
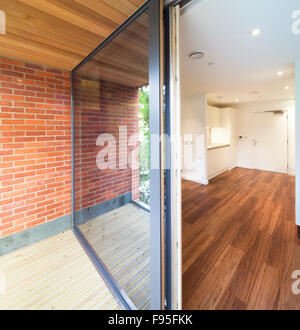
[{"x": 270, "y": 141}]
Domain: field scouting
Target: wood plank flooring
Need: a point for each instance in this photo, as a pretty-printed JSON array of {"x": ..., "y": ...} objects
[
  {"x": 54, "y": 274},
  {"x": 240, "y": 243},
  {"x": 121, "y": 239}
]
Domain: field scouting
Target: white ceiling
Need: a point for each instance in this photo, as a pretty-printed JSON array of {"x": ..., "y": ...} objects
[{"x": 243, "y": 64}]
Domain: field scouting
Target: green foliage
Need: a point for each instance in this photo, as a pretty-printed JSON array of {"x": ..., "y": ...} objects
[{"x": 144, "y": 145}]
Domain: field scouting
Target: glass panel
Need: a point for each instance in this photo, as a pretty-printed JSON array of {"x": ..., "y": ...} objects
[{"x": 111, "y": 158}]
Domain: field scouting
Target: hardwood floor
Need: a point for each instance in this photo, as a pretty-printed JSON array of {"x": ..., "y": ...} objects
[{"x": 240, "y": 244}]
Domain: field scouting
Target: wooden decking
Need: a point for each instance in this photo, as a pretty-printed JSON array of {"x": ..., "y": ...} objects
[
  {"x": 54, "y": 274},
  {"x": 121, "y": 238},
  {"x": 240, "y": 244}
]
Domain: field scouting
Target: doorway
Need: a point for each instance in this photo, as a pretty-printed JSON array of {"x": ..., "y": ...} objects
[
  {"x": 270, "y": 141},
  {"x": 238, "y": 191}
]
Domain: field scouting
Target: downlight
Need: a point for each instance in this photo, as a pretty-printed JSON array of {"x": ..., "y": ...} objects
[
  {"x": 256, "y": 32},
  {"x": 196, "y": 55}
]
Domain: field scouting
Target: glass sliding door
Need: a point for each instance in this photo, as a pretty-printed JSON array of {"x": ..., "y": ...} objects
[{"x": 117, "y": 173}]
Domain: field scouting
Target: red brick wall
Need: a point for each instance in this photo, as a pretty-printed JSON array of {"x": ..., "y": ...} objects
[
  {"x": 35, "y": 145},
  {"x": 101, "y": 107}
]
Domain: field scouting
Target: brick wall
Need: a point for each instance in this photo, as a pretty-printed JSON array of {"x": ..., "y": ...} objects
[
  {"x": 101, "y": 107},
  {"x": 35, "y": 145}
]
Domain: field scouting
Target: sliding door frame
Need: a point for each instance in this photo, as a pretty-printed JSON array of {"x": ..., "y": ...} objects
[
  {"x": 173, "y": 173},
  {"x": 157, "y": 248},
  {"x": 156, "y": 119}
]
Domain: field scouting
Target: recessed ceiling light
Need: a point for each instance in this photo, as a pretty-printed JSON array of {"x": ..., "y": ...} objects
[
  {"x": 196, "y": 55},
  {"x": 287, "y": 87},
  {"x": 237, "y": 100},
  {"x": 279, "y": 73},
  {"x": 255, "y": 32}
]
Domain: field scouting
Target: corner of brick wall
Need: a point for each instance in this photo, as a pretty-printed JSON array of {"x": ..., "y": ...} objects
[
  {"x": 101, "y": 107},
  {"x": 35, "y": 145}
]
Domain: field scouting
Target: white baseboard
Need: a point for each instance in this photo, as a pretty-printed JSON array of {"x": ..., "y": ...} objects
[
  {"x": 244, "y": 166},
  {"x": 218, "y": 173},
  {"x": 232, "y": 168},
  {"x": 206, "y": 182},
  {"x": 190, "y": 178},
  {"x": 291, "y": 172}
]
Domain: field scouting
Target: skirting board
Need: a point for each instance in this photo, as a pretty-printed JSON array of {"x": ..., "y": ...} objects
[
  {"x": 290, "y": 172},
  {"x": 190, "y": 178},
  {"x": 34, "y": 234},
  {"x": 218, "y": 173},
  {"x": 92, "y": 212}
]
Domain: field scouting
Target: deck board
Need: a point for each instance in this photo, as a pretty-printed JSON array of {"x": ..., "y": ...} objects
[
  {"x": 121, "y": 239},
  {"x": 54, "y": 274}
]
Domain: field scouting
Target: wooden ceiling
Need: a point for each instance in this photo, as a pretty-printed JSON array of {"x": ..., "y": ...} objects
[
  {"x": 60, "y": 33},
  {"x": 125, "y": 59}
]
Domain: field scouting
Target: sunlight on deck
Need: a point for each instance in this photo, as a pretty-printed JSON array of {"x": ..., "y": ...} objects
[
  {"x": 54, "y": 274},
  {"x": 121, "y": 239}
]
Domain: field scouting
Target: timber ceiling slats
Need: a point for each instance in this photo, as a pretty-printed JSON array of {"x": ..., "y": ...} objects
[
  {"x": 124, "y": 60},
  {"x": 61, "y": 33}
]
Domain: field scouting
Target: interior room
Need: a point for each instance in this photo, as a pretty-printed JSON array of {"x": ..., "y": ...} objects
[{"x": 238, "y": 172}]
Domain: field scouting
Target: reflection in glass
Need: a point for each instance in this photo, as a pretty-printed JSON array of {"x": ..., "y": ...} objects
[{"x": 111, "y": 160}]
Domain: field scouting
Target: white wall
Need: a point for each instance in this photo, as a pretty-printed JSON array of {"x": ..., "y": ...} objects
[
  {"x": 218, "y": 161},
  {"x": 213, "y": 117},
  {"x": 218, "y": 125},
  {"x": 193, "y": 121},
  {"x": 221, "y": 159},
  {"x": 245, "y": 111}
]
